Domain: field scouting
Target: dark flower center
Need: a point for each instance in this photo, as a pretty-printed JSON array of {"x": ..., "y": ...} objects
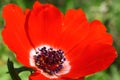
[{"x": 49, "y": 60}]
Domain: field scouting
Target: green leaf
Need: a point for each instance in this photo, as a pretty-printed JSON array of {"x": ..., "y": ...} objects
[{"x": 69, "y": 4}]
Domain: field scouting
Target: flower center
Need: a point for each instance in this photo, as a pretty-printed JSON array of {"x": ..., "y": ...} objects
[{"x": 49, "y": 60}]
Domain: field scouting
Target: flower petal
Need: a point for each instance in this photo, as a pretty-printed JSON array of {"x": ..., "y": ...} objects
[
  {"x": 44, "y": 24},
  {"x": 93, "y": 33},
  {"x": 39, "y": 76},
  {"x": 98, "y": 34},
  {"x": 78, "y": 78},
  {"x": 94, "y": 58},
  {"x": 14, "y": 33},
  {"x": 79, "y": 30},
  {"x": 37, "y": 4},
  {"x": 75, "y": 29},
  {"x": 89, "y": 34},
  {"x": 78, "y": 17}
]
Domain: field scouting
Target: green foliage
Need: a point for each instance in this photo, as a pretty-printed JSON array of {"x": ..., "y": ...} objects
[{"x": 107, "y": 11}]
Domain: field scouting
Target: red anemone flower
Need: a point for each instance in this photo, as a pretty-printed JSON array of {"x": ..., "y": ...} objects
[{"x": 57, "y": 46}]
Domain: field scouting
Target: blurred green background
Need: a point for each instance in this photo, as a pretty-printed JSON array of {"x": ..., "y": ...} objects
[{"x": 107, "y": 11}]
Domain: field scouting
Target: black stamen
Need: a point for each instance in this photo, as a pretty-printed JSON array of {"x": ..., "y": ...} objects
[{"x": 49, "y": 60}]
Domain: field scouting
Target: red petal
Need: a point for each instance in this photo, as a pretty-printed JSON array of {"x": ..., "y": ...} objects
[
  {"x": 78, "y": 31},
  {"x": 81, "y": 78},
  {"x": 14, "y": 33},
  {"x": 37, "y": 4},
  {"x": 44, "y": 24},
  {"x": 73, "y": 18},
  {"x": 75, "y": 43},
  {"x": 75, "y": 29},
  {"x": 94, "y": 58},
  {"x": 39, "y": 76},
  {"x": 93, "y": 33},
  {"x": 27, "y": 11},
  {"x": 98, "y": 34}
]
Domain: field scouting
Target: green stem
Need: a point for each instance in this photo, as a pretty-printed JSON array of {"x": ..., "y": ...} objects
[{"x": 12, "y": 72}]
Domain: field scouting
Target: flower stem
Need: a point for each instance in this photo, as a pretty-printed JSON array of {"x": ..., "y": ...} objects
[{"x": 12, "y": 72}]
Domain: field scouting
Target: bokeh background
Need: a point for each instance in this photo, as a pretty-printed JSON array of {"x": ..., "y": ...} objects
[{"x": 107, "y": 11}]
